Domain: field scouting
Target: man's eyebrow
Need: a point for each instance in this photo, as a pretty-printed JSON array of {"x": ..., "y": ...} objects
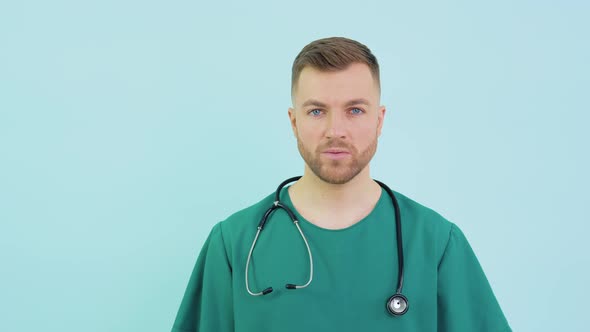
[
  {"x": 313, "y": 102},
  {"x": 358, "y": 101}
]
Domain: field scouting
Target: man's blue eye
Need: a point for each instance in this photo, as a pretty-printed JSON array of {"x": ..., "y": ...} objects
[
  {"x": 356, "y": 111},
  {"x": 315, "y": 112}
]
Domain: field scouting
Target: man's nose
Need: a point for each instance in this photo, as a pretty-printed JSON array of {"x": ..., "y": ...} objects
[{"x": 336, "y": 125}]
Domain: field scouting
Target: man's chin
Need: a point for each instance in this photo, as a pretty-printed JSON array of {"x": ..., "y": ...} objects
[{"x": 337, "y": 177}]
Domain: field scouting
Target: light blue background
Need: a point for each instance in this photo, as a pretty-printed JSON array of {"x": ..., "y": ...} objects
[{"x": 127, "y": 129}]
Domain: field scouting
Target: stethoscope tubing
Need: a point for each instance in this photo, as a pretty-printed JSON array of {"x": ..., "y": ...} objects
[
  {"x": 398, "y": 234},
  {"x": 396, "y": 304}
]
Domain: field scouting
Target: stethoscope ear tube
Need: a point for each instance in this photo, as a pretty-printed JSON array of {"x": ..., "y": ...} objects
[{"x": 278, "y": 205}]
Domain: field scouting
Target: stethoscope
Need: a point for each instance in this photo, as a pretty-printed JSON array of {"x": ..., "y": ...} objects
[{"x": 397, "y": 304}]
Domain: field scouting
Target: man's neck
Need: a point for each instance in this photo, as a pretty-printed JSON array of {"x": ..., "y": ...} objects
[{"x": 334, "y": 206}]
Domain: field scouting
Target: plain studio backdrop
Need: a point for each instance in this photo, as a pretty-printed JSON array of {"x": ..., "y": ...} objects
[{"x": 129, "y": 128}]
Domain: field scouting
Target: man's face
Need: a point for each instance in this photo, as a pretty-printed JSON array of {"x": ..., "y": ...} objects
[{"x": 337, "y": 119}]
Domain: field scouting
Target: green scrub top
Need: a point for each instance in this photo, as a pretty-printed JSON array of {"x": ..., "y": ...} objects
[{"x": 355, "y": 273}]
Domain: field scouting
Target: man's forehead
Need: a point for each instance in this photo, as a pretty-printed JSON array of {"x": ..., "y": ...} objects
[{"x": 353, "y": 85}]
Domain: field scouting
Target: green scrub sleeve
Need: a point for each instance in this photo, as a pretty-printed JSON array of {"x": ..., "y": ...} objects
[
  {"x": 207, "y": 302},
  {"x": 466, "y": 301}
]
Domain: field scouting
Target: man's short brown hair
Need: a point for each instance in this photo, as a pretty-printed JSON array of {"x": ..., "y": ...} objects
[{"x": 333, "y": 54}]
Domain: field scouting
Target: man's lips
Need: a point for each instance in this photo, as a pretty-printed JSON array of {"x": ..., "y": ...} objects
[
  {"x": 333, "y": 150},
  {"x": 336, "y": 153}
]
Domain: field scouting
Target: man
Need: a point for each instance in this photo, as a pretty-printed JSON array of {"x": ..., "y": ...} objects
[{"x": 347, "y": 220}]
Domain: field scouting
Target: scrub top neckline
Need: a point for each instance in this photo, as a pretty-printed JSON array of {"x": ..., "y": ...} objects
[{"x": 286, "y": 198}]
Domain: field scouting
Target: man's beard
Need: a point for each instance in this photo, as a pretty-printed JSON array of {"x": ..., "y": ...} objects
[{"x": 338, "y": 171}]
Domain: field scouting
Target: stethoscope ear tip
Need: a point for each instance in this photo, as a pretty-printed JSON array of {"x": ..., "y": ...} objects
[
  {"x": 266, "y": 291},
  {"x": 290, "y": 286}
]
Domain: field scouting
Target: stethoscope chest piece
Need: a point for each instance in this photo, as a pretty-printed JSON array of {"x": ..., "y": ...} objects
[{"x": 397, "y": 305}]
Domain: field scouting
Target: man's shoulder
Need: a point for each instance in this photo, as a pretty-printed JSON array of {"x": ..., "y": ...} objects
[
  {"x": 249, "y": 216},
  {"x": 421, "y": 217}
]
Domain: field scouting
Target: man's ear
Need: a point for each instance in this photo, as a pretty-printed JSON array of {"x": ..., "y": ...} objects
[
  {"x": 380, "y": 118},
  {"x": 293, "y": 120}
]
